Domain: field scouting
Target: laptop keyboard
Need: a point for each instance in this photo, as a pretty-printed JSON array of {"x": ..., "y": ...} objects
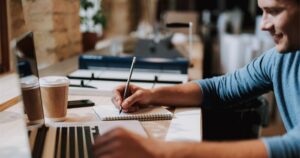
[{"x": 61, "y": 142}]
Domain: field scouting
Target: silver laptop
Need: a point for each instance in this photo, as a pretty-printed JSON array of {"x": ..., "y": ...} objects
[{"x": 61, "y": 139}]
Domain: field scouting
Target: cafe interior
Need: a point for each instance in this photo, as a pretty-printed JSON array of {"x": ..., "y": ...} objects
[{"x": 77, "y": 39}]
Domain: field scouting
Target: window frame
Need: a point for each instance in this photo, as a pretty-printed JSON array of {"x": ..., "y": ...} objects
[{"x": 4, "y": 38}]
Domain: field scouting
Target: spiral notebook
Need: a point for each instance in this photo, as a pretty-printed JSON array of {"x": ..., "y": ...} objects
[{"x": 110, "y": 113}]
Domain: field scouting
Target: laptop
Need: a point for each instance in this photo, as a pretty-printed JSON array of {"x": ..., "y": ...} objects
[{"x": 60, "y": 139}]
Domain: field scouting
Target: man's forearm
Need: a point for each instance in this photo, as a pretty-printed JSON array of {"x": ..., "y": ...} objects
[
  {"x": 237, "y": 149},
  {"x": 188, "y": 94}
]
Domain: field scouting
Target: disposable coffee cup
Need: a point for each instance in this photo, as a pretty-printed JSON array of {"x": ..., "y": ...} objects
[
  {"x": 32, "y": 99},
  {"x": 55, "y": 97}
]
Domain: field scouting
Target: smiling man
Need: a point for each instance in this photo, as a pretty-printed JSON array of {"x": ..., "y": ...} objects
[{"x": 277, "y": 69}]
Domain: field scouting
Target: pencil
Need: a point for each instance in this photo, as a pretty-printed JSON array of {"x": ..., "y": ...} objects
[{"x": 128, "y": 82}]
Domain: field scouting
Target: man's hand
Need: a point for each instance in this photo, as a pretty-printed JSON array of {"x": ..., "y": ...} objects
[
  {"x": 122, "y": 143},
  {"x": 188, "y": 94},
  {"x": 137, "y": 96}
]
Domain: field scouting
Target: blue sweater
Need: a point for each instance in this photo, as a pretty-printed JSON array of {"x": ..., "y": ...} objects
[{"x": 270, "y": 71}]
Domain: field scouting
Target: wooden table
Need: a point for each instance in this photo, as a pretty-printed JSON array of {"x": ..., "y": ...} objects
[
  {"x": 13, "y": 136},
  {"x": 9, "y": 90},
  {"x": 11, "y": 105}
]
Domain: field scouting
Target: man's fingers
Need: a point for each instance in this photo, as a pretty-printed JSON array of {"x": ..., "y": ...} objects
[
  {"x": 116, "y": 103},
  {"x": 134, "y": 95},
  {"x": 131, "y": 100},
  {"x": 103, "y": 140},
  {"x": 118, "y": 93},
  {"x": 105, "y": 150},
  {"x": 108, "y": 142},
  {"x": 109, "y": 136},
  {"x": 133, "y": 88},
  {"x": 133, "y": 109}
]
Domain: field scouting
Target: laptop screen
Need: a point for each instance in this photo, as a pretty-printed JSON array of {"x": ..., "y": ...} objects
[{"x": 28, "y": 72}]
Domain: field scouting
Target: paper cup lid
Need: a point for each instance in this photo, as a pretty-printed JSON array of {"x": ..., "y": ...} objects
[
  {"x": 29, "y": 82},
  {"x": 54, "y": 81}
]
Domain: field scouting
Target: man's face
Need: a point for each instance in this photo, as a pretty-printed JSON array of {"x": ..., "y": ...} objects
[{"x": 282, "y": 19}]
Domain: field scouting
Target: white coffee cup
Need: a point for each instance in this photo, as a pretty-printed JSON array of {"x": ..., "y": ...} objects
[{"x": 55, "y": 97}]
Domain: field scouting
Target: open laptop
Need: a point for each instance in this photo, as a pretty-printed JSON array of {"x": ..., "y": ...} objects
[{"x": 61, "y": 139}]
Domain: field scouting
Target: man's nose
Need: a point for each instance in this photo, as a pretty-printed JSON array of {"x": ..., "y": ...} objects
[{"x": 266, "y": 24}]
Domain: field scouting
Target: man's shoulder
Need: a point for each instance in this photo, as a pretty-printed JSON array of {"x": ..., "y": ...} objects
[
  {"x": 267, "y": 57},
  {"x": 270, "y": 57},
  {"x": 271, "y": 52}
]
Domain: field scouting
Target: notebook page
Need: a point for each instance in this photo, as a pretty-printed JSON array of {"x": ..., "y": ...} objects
[{"x": 109, "y": 112}]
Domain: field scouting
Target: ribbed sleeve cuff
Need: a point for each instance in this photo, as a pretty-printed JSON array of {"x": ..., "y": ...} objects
[{"x": 203, "y": 84}]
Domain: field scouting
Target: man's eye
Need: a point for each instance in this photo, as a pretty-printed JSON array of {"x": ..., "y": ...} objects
[{"x": 274, "y": 11}]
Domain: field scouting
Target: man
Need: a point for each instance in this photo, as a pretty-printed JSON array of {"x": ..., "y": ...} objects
[{"x": 277, "y": 69}]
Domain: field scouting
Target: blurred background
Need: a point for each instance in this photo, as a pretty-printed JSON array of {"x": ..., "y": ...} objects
[{"x": 223, "y": 34}]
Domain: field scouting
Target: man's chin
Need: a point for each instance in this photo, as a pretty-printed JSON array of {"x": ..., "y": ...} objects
[
  {"x": 281, "y": 49},
  {"x": 284, "y": 49}
]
